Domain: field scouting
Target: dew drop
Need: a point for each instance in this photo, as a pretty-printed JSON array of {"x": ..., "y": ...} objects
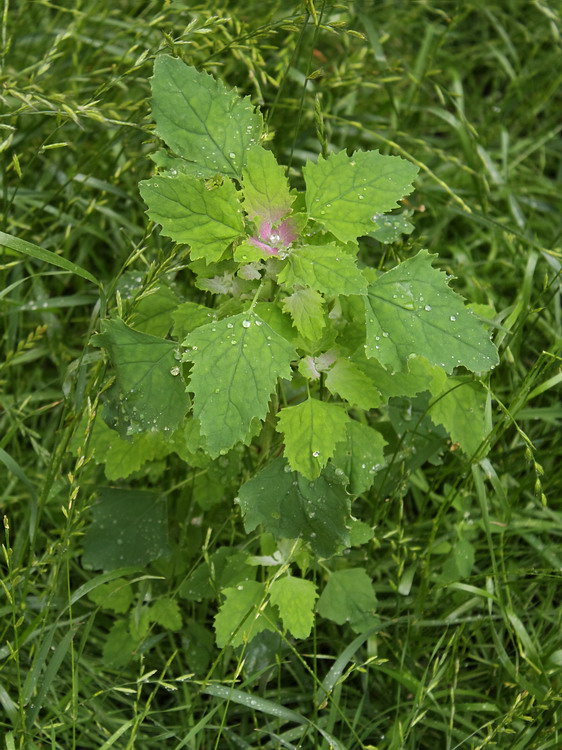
[
  {"x": 175, "y": 371},
  {"x": 246, "y": 323},
  {"x": 427, "y": 307},
  {"x": 453, "y": 317},
  {"x": 315, "y": 454}
]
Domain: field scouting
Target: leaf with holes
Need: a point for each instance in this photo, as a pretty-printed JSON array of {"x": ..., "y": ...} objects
[{"x": 412, "y": 310}]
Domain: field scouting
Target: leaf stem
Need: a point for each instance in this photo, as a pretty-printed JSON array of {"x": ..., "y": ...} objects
[{"x": 256, "y": 296}]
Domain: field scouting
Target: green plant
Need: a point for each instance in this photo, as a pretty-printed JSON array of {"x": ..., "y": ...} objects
[{"x": 304, "y": 366}]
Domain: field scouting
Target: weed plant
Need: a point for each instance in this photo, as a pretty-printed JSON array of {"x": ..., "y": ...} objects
[{"x": 464, "y": 650}]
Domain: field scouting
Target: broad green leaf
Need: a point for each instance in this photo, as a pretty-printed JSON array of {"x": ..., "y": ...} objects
[
  {"x": 129, "y": 527},
  {"x": 271, "y": 313},
  {"x": 198, "y": 647},
  {"x": 117, "y": 595},
  {"x": 460, "y": 408},
  {"x": 139, "y": 623},
  {"x": 360, "y": 533},
  {"x": 420, "y": 376},
  {"x": 359, "y": 456},
  {"x": 265, "y": 187},
  {"x": 246, "y": 253},
  {"x": 327, "y": 268},
  {"x": 171, "y": 165},
  {"x": 349, "y": 597},
  {"x": 420, "y": 439},
  {"x": 348, "y": 316},
  {"x": 206, "y": 220},
  {"x": 188, "y": 316},
  {"x": 306, "y": 308},
  {"x": 151, "y": 389},
  {"x": 119, "y": 647},
  {"x": 239, "y": 618},
  {"x": 236, "y": 364},
  {"x": 343, "y": 192},
  {"x": 290, "y": 506},
  {"x": 166, "y": 612},
  {"x": 348, "y": 381},
  {"x": 460, "y": 563},
  {"x": 124, "y": 456},
  {"x": 153, "y": 314},
  {"x": 412, "y": 310},
  {"x": 311, "y": 430},
  {"x": 186, "y": 441},
  {"x": 464, "y": 557},
  {"x": 202, "y": 120},
  {"x": 391, "y": 228},
  {"x": 295, "y": 599},
  {"x": 223, "y": 570}
]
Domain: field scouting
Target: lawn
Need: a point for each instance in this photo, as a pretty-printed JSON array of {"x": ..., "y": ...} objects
[{"x": 145, "y": 601}]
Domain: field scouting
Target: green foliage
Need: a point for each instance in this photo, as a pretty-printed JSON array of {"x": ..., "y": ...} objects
[
  {"x": 326, "y": 268},
  {"x": 440, "y": 494},
  {"x": 265, "y": 187},
  {"x": 128, "y": 528},
  {"x": 311, "y": 432},
  {"x": 150, "y": 390},
  {"x": 411, "y": 310},
  {"x": 344, "y": 194},
  {"x": 206, "y": 125},
  {"x": 243, "y": 363},
  {"x": 295, "y": 599},
  {"x": 289, "y": 506},
  {"x": 236, "y": 364},
  {"x": 349, "y": 597},
  {"x": 241, "y": 617},
  {"x": 208, "y": 220},
  {"x": 306, "y": 308}
]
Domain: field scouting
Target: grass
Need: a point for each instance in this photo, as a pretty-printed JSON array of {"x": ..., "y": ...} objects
[{"x": 470, "y": 92}]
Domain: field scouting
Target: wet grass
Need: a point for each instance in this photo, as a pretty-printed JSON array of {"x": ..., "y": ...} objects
[{"x": 470, "y": 92}]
